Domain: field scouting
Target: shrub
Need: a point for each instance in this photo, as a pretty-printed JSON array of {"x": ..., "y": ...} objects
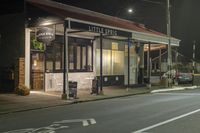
[{"x": 22, "y": 90}]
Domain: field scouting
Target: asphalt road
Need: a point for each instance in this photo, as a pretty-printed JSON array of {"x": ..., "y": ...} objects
[{"x": 172, "y": 112}]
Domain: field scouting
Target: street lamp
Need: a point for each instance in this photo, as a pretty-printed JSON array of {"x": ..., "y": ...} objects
[{"x": 130, "y": 10}]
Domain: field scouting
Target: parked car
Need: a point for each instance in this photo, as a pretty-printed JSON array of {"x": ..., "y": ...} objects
[
  {"x": 179, "y": 76},
  {"x": 183, "y": 77}
]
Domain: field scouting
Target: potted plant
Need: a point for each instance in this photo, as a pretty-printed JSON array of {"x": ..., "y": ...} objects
[{"x": 22, "y": 90}]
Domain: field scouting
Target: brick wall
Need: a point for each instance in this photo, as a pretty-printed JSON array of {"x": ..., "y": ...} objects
[{"x": 19, "y": 72}]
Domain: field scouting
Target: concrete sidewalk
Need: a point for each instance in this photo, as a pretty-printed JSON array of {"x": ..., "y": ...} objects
[{"x": 10, "y": 103}]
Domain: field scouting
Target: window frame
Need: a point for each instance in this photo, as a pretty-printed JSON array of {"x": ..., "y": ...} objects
[
  {"x": 86, "y": 45},
  {"x": 53, "y": 46}
]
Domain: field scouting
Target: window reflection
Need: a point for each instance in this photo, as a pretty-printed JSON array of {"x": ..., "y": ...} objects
[{"x": 113, "y": 58}]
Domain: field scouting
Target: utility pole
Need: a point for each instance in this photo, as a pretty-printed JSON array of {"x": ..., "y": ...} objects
[
  {"x": 193, "y": 56},
  {"x": 168, "y": 21},
  {"x": 169, "y": 59},
  {"x": 149, "y": 65}
]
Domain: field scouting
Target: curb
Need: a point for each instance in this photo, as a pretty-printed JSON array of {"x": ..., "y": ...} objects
[
  {"x": 112, "y": 97},
  {"x": 72, "y": 102},
  {"x": 174, "y": 89}
]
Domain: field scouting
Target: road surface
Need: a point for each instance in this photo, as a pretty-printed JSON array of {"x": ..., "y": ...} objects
[{"x": 172, "y": 112}]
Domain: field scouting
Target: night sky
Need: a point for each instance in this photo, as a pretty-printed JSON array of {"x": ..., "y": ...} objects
[{"x": 185, "y": 16}]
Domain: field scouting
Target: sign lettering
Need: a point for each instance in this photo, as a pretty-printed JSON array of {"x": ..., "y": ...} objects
[
  {"x": 45, "y": 35},
  {"x": 97, "y": 29}
]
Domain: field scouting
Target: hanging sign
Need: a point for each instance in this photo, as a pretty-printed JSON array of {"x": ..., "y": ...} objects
[{"x": 45, "y": 35}]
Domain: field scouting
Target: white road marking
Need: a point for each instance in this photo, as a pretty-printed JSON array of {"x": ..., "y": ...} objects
[
  {"x": 85, "y": 123},
  {"x": 28, "y": 130},
  {"x": 54, "y": 126},
  {"x": 165, "y": 122},
  {"x": 92, "y": 121}
]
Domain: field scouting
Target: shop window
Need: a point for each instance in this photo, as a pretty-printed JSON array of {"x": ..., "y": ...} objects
[
  {"x": 117, "y": 62},
  {"x": 113, "y": 58},
  {"x": 54, "y": 57},
  {"x": 49, "y": 58},
  {"x": 80, "y": 55},
  {"x": 71, "y": 57},
  {"x": 106, "y": 61},
  {"x": 83, "y": 57},
  {"x": 58, "y": 57},
  {"x": 114, "y": 46}
]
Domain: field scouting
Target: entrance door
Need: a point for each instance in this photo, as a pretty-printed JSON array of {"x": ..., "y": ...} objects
[{"x": 37, "y": 71}]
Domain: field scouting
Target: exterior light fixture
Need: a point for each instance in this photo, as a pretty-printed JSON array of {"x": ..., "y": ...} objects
[
  {"x": 46, "y": 23},
  {"x": 34, "y": 63}
]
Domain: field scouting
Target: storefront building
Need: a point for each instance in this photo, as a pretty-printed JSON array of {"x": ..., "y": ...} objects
[{"x": 79, "y": 45}]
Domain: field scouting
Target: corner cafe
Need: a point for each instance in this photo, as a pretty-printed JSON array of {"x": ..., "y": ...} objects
[{"x": 78, "y": 45}]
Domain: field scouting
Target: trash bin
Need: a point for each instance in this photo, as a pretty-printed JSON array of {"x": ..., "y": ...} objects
[
  {"x": 73, "y": 89},
  {"x": 95, "y": 86}
]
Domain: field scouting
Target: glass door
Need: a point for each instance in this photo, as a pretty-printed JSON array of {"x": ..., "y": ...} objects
[{"x": 37, "y": 71}]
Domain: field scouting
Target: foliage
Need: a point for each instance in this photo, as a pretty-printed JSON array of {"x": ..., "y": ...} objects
[{"x": 37, "y": 45}]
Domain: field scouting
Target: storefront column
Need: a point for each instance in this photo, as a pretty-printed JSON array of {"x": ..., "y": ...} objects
[
  {"x": 160, "y": 58},
  {"x": 149, "y": 65},
  {"x": 65, "y": 69},
  {"x": 141, "y": 64},
  {"x": 101, "y": 63},
  {"x": 129, "y": 43},
  {"x": 27, "y": 57}
]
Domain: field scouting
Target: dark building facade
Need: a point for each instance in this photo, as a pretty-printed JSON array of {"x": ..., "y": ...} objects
[{"x": 12, "y": 40}]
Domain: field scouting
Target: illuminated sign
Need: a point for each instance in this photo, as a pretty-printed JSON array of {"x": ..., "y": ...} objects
[{"x": 45, "y": 35}]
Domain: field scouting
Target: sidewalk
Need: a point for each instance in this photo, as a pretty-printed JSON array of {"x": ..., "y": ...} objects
[
  {"x": 10, "y": 103},
  {"x": 177, "y": 88}
]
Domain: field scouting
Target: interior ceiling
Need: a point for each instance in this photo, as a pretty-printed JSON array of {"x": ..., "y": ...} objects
[{"x": 154, "y": 47}]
